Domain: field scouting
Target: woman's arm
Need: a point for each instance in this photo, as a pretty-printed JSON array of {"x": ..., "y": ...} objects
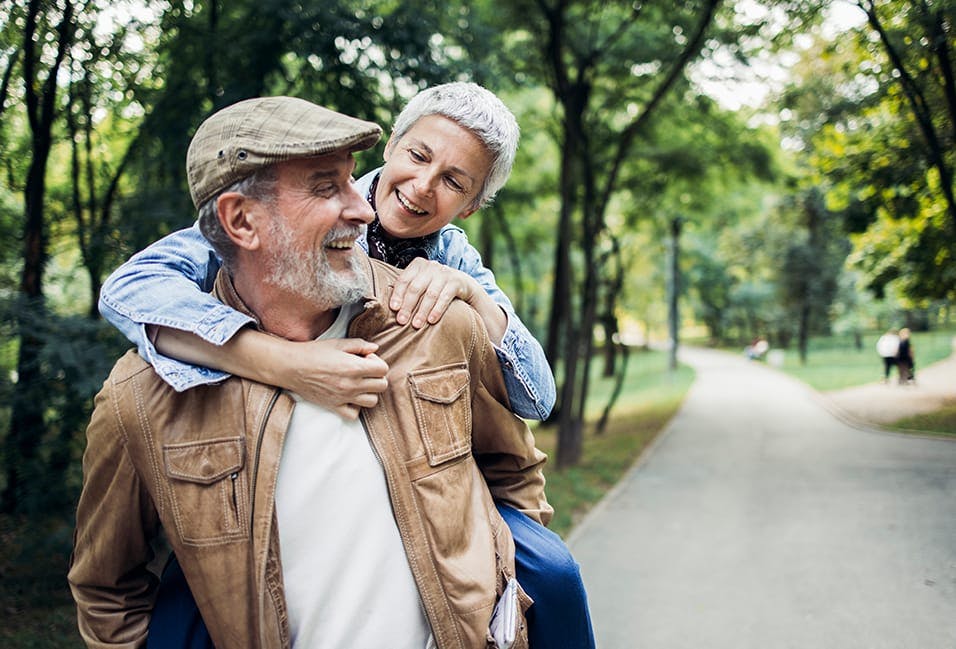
[
  {"x": 342, "y": 375},
  {"x": 166, "y": 285},
  {"x": 158, "y": 299},
  {"x": 423, "y": 292}
]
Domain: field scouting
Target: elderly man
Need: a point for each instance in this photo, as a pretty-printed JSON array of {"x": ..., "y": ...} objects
[{"x": 292, "y": 527}]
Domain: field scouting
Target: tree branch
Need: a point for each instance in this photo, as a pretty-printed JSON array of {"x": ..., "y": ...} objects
[
  {"x": 7, "y": 75},
  {"x": 632, "y": 129}
]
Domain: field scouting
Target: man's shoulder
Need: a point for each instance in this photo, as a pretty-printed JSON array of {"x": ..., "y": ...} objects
[
  {"x": 128, "y": 366},
  {"x": 459, "y": 321},
  {"x": 383, "y": 275}
]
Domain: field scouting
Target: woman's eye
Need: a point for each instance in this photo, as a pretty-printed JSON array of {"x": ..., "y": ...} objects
[
  {"x": 416, "y": 155},
  {"x": 454, "y": 184}
]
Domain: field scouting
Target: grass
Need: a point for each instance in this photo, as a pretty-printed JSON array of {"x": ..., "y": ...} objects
[
  {"x": 941, "y": 421},
  {"x": 834, "y": 362},
  {"x": 35, "y": 601}
]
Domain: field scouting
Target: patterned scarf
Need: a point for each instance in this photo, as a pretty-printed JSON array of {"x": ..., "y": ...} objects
[{"x": 393, "y": 250}]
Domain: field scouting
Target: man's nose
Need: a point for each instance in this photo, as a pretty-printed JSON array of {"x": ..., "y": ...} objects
[{"x": 357, "y": 208}]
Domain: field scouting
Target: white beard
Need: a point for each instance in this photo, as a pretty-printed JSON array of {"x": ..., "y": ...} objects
[{"x": 309, "y": 275}]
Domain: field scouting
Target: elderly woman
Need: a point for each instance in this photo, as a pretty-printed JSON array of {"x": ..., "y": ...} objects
[{"x": 450, "y": 151}]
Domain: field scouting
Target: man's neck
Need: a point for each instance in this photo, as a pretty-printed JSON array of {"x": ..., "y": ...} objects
[{"x": 281, "y": 313}]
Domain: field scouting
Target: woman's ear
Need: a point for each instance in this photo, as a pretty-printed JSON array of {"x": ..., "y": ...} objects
[
  {"x": 238, "y": 216},
  {"x": 464, "y": 214}
]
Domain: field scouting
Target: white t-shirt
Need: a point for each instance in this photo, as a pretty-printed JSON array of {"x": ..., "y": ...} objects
[{"x": 347, "y": 579}]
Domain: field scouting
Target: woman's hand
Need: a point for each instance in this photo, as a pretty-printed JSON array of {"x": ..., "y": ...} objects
[
  {"x": 343, "y": 375},
  {"x": 424, "y": 290}
]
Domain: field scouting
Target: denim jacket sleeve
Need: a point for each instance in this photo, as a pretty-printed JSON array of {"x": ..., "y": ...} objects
[
  {"x": 527, "y": 374},
  {"x": 167, "y": 284}
]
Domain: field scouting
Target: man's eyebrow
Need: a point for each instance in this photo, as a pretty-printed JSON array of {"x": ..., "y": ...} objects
[{"x": 322, "y": 174}]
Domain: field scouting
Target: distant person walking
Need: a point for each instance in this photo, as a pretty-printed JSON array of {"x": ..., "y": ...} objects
[
  {"x": 904, "y": 358},
  {"x": 888, "y": 347}
]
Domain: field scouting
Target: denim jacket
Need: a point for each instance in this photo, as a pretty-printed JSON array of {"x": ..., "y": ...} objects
[{"x": 168, "y": 284}]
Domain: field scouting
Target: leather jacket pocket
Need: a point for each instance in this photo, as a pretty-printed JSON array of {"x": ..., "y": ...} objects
[
  {"x": 207, "y": 489},
  {"x": 443, "y": 411}
]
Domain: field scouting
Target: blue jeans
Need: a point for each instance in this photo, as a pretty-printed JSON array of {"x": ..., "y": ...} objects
[
  {"x": 176, "y": 622},
  {"x": 559, "y": 618}
]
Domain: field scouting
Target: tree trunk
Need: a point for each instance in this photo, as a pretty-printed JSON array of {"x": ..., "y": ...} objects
[
  {"x": 803, "y": 335},
  {"x": 673, "y": 293},
  {"x": 26, "y": 416}
]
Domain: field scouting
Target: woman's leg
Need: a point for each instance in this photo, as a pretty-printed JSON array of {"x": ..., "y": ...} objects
[
  {"x": 176, "y": 622},
  {"x": 559, "y": 618}
]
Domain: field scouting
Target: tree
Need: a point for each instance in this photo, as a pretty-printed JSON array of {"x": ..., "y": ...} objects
[
  {"x": 874, "y": 115},
  {"x": 811, "y": 268},
  {"x": 48, "y": 33},
  {"x": 591, "y": 58}
]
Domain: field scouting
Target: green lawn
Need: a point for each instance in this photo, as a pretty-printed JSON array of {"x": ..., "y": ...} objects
[
  {"x": 834, "y": 363},
  {"x": 941, "y": 421}
]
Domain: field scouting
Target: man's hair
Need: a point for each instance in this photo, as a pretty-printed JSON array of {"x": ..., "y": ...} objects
[
  {"x": 478, "y": 110},
  {"x": 261, "y": 185}
]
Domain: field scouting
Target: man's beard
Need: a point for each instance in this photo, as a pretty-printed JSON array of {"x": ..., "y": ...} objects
[{"x": 309, "y": 275}]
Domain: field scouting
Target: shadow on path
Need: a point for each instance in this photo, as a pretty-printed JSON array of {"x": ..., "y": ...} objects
[{"x": 761, "y": 520}]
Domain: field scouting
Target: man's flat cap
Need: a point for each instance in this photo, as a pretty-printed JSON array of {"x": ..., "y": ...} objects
[{"x": 238, "y": 140}]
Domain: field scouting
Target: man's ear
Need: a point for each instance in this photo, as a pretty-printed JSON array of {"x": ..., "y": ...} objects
[
  {"x": 239, "y": 217},
  {"x": 388, "y": 147}
]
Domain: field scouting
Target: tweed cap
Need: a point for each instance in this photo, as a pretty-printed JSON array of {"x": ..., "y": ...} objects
[{"x": 238, "y": 140}]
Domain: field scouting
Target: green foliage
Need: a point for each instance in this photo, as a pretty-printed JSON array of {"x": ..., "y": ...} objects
[
  {"x": 39, "y": 612},
  {"x": 76, "y": 355},
  {"x": 873, "y": 110}
]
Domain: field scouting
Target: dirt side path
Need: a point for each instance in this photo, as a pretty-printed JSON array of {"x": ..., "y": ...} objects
[{"x": 884, "y": 403}]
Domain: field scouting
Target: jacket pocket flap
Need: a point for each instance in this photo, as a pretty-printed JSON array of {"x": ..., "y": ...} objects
[
  {"x": 443, "y": 385},
  {"x": 204, "y": 462},
  {"x": 443, "y": 411}
]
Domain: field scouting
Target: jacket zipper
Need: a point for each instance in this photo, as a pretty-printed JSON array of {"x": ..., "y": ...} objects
[
  {"x": 234, "y": 476},
  {"x": 388, "y": 484},
  {"x": 255, "y": 463}
]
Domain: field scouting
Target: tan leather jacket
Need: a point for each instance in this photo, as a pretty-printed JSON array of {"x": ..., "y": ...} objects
[{"x": 202, "y": 466}]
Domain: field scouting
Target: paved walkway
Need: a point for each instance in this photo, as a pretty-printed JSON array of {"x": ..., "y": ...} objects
[{"x": 760, "y": 520}]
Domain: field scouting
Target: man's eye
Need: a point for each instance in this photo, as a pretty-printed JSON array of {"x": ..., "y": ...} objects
[{"x": 323, "y": 190}]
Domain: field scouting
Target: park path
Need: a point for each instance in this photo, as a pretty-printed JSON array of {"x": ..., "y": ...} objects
[{"x": 762, "y": 520}]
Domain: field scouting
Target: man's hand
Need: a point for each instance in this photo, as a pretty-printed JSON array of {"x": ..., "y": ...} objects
[
  {"x": 424, "y": 290},
  {"x": 342, "y": 375}
]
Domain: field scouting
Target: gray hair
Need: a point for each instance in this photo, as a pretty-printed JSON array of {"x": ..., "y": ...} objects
[
  {"x": 478, "y": 110},
  {"x": 261, "y": 185}
]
